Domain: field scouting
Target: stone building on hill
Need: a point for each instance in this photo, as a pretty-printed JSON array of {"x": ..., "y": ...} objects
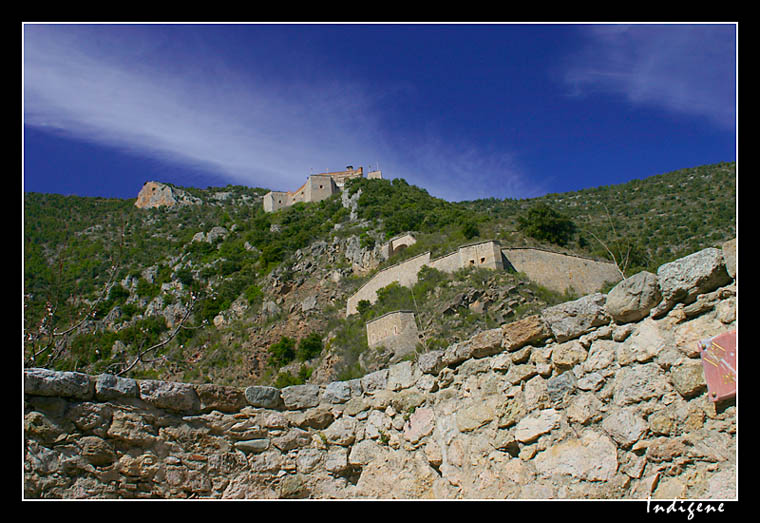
[{"x": 317, "y": 187}]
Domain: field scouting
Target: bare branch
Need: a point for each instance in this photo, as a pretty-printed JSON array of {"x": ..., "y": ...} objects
[{"x": 157, "y": 346}]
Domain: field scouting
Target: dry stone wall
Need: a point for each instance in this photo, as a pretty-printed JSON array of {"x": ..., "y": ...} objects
[{"x": 602, "y": 397}]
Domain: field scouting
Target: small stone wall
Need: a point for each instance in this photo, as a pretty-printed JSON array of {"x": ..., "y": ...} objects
[
  {"x": 396, "y": 332},
  {"x": 602, "y": 397}
]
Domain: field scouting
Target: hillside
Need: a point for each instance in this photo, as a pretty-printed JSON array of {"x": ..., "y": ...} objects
[{"x": 218, "y": 291}]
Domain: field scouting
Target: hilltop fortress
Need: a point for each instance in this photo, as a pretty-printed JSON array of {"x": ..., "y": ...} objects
[{"x": 318, "y": 187}]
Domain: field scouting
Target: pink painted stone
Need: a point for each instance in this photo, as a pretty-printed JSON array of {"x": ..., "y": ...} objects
[{"x": 719, "y": 365}]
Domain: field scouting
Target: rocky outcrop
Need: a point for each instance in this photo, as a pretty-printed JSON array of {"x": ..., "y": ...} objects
[
  {"x": 576, "y": 402},
  {"x": 156, "y": 194}
]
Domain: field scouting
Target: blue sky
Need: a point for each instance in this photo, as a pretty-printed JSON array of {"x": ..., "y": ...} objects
[{"x": 465, "y": 111}]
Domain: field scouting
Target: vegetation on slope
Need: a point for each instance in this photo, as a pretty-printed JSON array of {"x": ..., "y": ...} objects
[{"x": 96, "y": 271}]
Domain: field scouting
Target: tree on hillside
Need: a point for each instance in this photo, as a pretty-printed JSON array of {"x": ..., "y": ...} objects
[{"x": 545, "y": 224}]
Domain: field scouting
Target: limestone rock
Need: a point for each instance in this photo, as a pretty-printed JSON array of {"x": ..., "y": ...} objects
[
  {"x": 336, "y": 392},
  {"x": 486, "y": 343},
  {"x": 431, "y": 362},
  {"x": 363, "y": 452},
  {"x": 592, "y": 457},
  {"x": 526, "y": 331},
  {"x": 729, "y": 256},
  {"x": 420, "y": 424},
  {"x": 624, "y": 426},
  {"x": 44, "y": 382},
  {"x": 638, "y": 383},
  {"x": 569, "y": 354},
  {"x": 169, "y": 395},
  {"x": 300, "y": 396},
  {"x": 572, "y": 319},
  {"x": 264, "y": 397},
  {"x": 156, "y": 194},
  {"x": 688, "y": 379},
  {"x": 683, "y": 279},
  {"x": 633, "y": 298},
  {"x": 110, "y": 387},
  {"x": 217, "y": 397},
  {"x": 530, "y": 428}
]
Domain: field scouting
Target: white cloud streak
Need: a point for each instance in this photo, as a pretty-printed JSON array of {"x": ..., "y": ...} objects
[
  {"x": 128, "y": 88},
  {"x": 685, "y": 69},
  {"x": 239, "y": 125}
]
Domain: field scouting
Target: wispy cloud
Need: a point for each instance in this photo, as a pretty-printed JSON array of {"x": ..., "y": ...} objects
[
  {"x": 685, "y": 68},
  {"x": 140, "y": 90},
  {"x": 187, "y": 109}
]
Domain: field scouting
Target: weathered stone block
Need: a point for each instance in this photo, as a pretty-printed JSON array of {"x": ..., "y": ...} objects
[
  {"x": 530, "y": 330},
  {"x": 486, "y": 343},
  {"x": 420, "y": 424},
  {"x": 683, "y": 279},
  {"x": 624, "y": 426},
  {"x": 218, "y": 397},
  {"x": 560, "y": 387},
  {"x": 455, "y": 354},
  {"x": 264, "y": 397},
  {"x": 567, "y": 355},
  {"x": 592, "y": 457},
  {"x": 431, "y": 362},
  {"x": 252, "y": 445},
  {"x": 336, "y": 392},
  {"x": 402, "y": 375},
  {"x": 633, "y": 298},
  {"x": 688, "y": 379},
  {"x": 638, "y": 383},
  {"x": 572, "y": 319},
  {"x": 169, "y": 395},
  {"x": 374, "y": 381},
  {"x": 729, "y": 256},
  {"x": 109, "y": 387},
  {"x": 44, "y": 382},
  {"x": 530, "y": 428},
  {"x": 300, "y": 396}
]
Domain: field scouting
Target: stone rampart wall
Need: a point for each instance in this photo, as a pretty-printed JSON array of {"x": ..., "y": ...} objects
[
  {"x": 559, "y": 272},
  {"x": 396, "y": 331},
  {"x": 601, "y": 397},
  {"x": 405, "y": 273},
  {"x": 482, "y": 254}
]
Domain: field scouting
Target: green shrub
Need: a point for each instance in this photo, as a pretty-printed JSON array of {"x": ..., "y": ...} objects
[
  {"x": 309, "y": 347},
  {"x": 253, "y": 294},
  {"x": 544, "y": 223},
  {"x": 282, "y": 352}
]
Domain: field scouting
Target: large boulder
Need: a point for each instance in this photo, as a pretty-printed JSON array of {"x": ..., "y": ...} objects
[
  {"x": 633, "y": 298},
  {"x": 684, "y": 279}
]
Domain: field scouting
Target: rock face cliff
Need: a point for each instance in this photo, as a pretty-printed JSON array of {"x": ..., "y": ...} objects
[
  {"x": 601, "y": 397},
  {"x": 155, "y": 194}
]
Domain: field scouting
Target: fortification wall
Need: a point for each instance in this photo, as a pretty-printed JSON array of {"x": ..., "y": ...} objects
[
  {"x": 396, "y": 331},
  {"x": 405, "y": 273},
  {"x": 578, "y": 401},
  {"x": 275, "y": 200},
  {"x": 481, "y": 254},
  {"x": 449, "y": 263},
  {"x": 317, "y": 187},
  {"x": 559, "y": 272}
]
